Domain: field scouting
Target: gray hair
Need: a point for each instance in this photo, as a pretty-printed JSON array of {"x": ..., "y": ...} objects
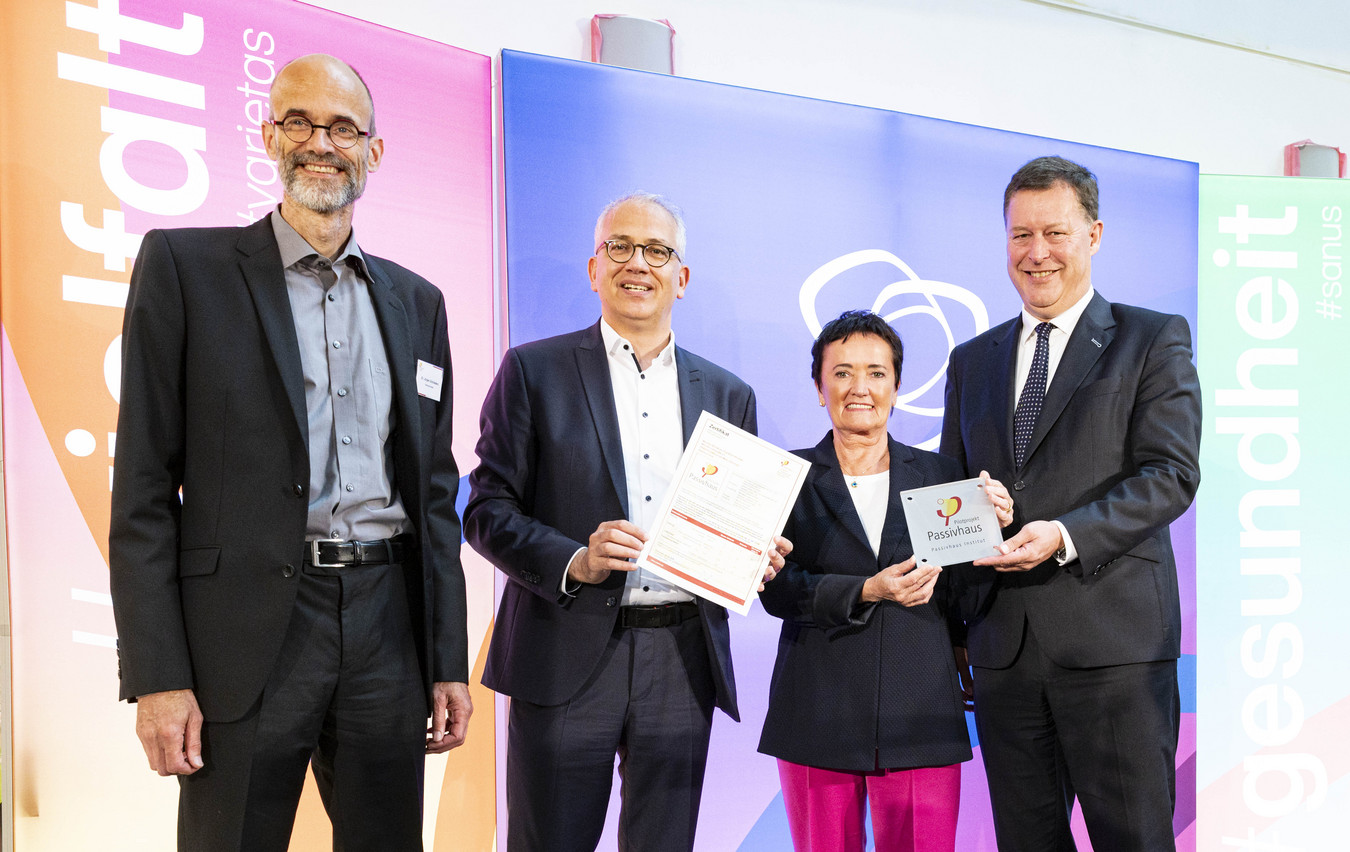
[{"x": 651, "y": 199}]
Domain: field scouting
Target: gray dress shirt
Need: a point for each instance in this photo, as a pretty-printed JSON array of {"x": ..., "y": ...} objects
[{"x": 348, "y": 391}]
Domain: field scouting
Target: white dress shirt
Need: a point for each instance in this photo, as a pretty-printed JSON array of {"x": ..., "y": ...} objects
[{"x": 651, "y": 432}]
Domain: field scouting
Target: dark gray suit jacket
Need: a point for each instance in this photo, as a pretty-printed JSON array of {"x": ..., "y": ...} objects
[
  {"x": 213, "y": 403},
  {"x": 1114, "y": 457},
  {"x": 551, "y": 471}
]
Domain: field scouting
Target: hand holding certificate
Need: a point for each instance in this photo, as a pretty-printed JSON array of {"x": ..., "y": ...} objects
[{"x": 730, "y": 497}]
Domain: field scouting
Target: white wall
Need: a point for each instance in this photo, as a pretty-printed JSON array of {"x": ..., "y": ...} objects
[{"x": 1018, "y": 65}]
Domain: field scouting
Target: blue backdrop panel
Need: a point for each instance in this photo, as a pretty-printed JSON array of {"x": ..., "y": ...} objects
[{"x": 798, "y": 209}]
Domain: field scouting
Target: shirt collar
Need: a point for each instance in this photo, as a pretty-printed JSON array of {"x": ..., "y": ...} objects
[
  {"x": 614, "y": 346},
  {"x": 1065, "y": 322},
  {"x": 295, "y": 248}
]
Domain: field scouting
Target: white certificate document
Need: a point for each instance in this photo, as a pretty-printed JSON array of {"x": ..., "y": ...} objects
[
  {"x": 951, "y": 523},
  {"x": 731, "y": 495}
]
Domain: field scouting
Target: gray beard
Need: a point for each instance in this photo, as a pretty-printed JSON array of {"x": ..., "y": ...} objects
[{"x": 322, "y": 200}]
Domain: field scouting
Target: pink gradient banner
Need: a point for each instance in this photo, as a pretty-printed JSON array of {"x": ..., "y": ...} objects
[{"x": 121, "y": 117}]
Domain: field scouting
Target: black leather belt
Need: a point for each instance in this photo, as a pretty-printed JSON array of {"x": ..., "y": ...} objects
[
  {"x": 662, "y": 615},
  {"x": 335, "y": 553}
]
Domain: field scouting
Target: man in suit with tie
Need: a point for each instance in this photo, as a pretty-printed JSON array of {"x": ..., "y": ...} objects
[
  {"x": 1090, "y": 411},
  {"x": 581, "y": 434},
  {"x": 284, "y": 545}
]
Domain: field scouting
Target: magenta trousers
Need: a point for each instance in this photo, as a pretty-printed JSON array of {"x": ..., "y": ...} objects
[{"x": 913, "y": 810}]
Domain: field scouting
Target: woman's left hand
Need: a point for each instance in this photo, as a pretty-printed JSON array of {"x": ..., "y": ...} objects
[{"x": 999, "y": 496}]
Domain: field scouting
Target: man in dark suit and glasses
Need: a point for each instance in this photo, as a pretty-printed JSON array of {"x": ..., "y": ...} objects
[
  {"x": 303, "y": 598},
  {"x": 581, "y": 434},
  {"x": 1089, "y": 411}
]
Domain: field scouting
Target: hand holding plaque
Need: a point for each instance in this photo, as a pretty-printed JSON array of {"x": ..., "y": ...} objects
[{"x": 951, "y": 523}]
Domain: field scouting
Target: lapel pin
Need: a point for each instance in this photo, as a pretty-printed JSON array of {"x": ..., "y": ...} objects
[{"x": 1095, "y": 343}]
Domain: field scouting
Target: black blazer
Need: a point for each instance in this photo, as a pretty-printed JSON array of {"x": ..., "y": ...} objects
[
  {"x": 551, "y": 471},
  {"x": 1114, "y": 457},
  {"x": 213, "y": 403},
  {"x": 861, "y": 687}
]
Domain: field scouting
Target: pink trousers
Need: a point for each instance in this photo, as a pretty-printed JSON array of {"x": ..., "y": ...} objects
[{"x": 913, "y": 810}]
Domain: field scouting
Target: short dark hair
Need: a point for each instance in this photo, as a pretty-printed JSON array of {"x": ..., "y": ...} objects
[
  {"x": 1045, "y": 172},
  {"x": 848, "y": 324}
]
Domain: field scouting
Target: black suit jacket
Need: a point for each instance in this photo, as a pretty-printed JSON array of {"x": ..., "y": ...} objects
[
  {"x": 213, "y": 403},
  {"x": 1114, "y": 457},
  {"x": 551, "y": 471},
  {"x": 855, "y": 686}
]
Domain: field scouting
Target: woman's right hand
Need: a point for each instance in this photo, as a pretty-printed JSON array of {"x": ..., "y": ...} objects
[{"x": 903, "y": 583}]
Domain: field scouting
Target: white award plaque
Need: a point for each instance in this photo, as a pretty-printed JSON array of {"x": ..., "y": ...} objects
[{"x": 951, "y": 523}]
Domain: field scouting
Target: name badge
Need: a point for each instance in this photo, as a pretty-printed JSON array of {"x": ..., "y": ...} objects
[{"x": 429, "y": 378}]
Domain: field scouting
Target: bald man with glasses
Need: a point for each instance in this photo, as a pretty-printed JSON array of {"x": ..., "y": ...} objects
[{"x": 284, "y": 546}]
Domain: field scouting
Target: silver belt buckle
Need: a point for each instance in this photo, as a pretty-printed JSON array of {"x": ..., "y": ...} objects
[{"x": 314, "y": 552}]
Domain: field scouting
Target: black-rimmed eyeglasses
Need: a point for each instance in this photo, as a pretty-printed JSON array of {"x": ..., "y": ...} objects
[
  {"x": 342, "y": 132},
  {"x": 621, "y": 251}
]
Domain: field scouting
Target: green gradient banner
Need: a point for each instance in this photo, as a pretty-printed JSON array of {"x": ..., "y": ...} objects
[{"x": 1272, "y": 584}]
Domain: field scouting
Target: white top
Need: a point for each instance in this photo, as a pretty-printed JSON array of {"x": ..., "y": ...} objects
[{"x": 871, "y": 496}]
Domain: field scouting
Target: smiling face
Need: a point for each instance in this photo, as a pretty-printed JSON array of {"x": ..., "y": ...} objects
[
  {"x": 316, "y": 174},
  {"x": 1050, "y": 247},
  {"x": 858, "y": 383},
  {"x": 635, "y": 298}
]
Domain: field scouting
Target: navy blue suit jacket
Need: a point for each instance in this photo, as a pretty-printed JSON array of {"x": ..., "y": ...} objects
[
  {"x": 857, "y": 686},
  {"x": 1114, "y": 457},
  {"x": 551, "y": 471}
]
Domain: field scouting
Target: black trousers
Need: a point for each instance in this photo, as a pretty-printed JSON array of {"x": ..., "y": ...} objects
[
  {"x": 1107, "y": 736},
  {"x": 650, "y": 702},
  {"x": 346, "y": 694}
]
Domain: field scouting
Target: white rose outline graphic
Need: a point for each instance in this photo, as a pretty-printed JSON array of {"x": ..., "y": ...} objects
[{"x": 911, "y": 284}]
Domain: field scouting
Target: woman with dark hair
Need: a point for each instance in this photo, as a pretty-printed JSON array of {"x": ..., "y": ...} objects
[{"x": 866, "y": 704}]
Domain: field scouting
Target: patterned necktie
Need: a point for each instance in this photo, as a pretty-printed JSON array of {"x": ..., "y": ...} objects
[{"x": 1033, "y": 395}]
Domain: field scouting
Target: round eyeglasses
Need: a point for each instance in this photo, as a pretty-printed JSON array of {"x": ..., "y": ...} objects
[
  {"x": 621, "y": 251},
  {"x": 342, "y": 132}
]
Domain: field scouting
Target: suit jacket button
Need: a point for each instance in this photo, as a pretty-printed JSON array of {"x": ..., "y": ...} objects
[
  {"x": 611, "y": 601},
  {"x": 299, "y": 490},
  {"x": 288, "y": 571},
  {"x": 1019, "y": 485}
]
